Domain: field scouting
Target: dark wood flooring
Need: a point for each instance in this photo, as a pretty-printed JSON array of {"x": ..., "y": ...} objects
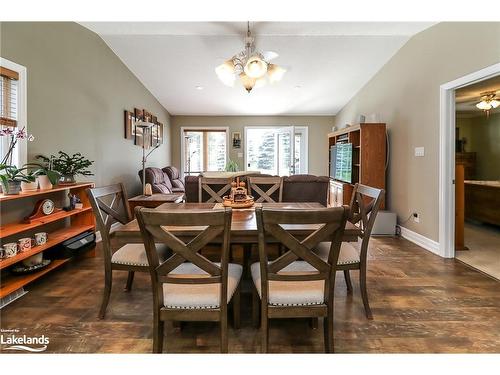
[{"x": 421, "y": 303}]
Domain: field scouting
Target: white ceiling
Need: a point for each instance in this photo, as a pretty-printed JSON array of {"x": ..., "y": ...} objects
[{"x": 329, "y": 61}]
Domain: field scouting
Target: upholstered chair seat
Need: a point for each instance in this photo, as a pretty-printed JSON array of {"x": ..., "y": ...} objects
[
  {"x": 349, "y": 254},
  {"x": 134, "y": 254},
  {"x": 292, "y": 293},
  {"x": 198, "y": 296}
]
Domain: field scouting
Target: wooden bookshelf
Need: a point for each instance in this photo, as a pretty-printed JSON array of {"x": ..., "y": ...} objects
[
  {"x": 73, "y": 223},
  {"x": 13, "y": 282},
  {"x": 369, "y": 152}
]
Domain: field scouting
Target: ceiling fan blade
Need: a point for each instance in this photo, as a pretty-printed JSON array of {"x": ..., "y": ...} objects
[{"x": 269, "y": 55}]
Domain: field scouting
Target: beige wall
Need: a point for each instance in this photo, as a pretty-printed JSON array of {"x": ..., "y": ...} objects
[
  {"x": 77, "y": 91},
  {"x": 319, "y": 127},
  {"x": 483, "y": 137},
  {"x": 405, "y": 95}
]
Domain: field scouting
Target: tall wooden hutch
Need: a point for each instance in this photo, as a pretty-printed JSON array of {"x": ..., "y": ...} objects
[{"x": 369, "y": 158}]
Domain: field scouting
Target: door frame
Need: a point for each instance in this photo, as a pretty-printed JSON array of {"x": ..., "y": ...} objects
[
  {"x": 447, "y": 155},
  {"x": 304, "y": 129}
]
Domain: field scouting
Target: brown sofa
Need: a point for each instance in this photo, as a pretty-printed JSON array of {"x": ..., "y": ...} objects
[
  {"x": 297, "y": 188},
  {"x": 165, "y": 181}
]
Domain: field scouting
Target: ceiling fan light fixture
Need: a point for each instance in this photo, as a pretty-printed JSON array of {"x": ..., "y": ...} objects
[
  {"x": 247, "y": 82},
  {"x": 484, "y": 105},
  {"x": 495, "y": 103},
  {"x": 275, "y": 73},
  {"x": 255, "y": 67},
  {"x": 225, "y": 72}
]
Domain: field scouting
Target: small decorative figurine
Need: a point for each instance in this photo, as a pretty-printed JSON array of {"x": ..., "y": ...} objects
[{"x": 238, "y": 197}]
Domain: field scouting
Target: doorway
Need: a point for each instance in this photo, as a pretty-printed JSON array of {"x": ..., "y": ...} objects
[
  {"x": 278, "y": 150},
  {"x": 477, "y": 175},
  {"x": 447, "y": 156}
]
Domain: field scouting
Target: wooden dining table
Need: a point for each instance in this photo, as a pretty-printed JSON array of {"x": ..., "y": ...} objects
[{"x": 243, "y": 224}]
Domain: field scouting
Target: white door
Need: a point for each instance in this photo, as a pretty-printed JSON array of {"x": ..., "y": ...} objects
[{"x": 276, "y": 150}]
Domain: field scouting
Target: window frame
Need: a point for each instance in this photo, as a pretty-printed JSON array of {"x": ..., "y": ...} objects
[
  {"x": 22, "y": 113},
  {"x": 302, "y": 129},
  {"x": 201, "y": 128}
]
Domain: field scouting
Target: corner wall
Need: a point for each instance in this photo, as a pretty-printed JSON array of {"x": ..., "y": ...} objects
[
  {"x": 77, "y": 92},
  {"x": 405, "y": 95}
]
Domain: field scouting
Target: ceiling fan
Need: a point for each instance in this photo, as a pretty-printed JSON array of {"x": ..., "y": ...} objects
[{"x": 251, "y": 66}]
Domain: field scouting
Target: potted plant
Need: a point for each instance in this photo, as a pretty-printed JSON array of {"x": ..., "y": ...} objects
[
  {"x": 46, "y": 176},
  {"x": 68, "y": 166},
  {"x": 12, "y": 177},
  {"x": 232, "y": 166}
]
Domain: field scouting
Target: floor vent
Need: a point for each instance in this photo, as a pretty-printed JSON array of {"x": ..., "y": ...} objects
[{"x": 12, "y": 297}]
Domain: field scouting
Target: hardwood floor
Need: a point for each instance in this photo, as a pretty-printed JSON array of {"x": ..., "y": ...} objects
[{"x": 420, "y": 302}]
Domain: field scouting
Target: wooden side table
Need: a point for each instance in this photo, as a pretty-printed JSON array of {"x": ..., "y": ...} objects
[{"x": 153, "y": 201}]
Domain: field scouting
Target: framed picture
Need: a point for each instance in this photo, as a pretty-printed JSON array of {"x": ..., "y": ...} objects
[
  {"x": 139, "y": 114},
  {"x": 157, "y": 135},
  {"x": 154, "y": 119},
  {"x": 146, "y": 116},
  {"x": 141, "y": 138},
  {"x": 236, "y": 139},
  {"x": 128, "y": 124}
]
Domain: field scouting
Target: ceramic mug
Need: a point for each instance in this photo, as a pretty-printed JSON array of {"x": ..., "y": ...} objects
[
  {"x": 10, "y": 249},
  {"x": 25, "y": 244},
  {"x": 41, "y": 238}
]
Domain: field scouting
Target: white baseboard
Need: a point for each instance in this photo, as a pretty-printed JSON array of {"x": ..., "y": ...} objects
[
  {"x": 98, "y": 237},
  {"x": 420, "y": 240}
]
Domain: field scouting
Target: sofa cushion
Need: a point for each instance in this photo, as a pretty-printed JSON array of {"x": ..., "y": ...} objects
[
  {"x": 175, "y": 178},
  {"x": 306, "y": 188},
  {"x": 158, "y": 179}
]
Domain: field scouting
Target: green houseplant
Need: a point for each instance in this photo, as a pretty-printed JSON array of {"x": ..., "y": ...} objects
[
  {"x": 45, "y": 175},
  {"x": 12, "y": 177},
  {"x": 68, "y": 166},
  {"x": 232, "y": 166}
]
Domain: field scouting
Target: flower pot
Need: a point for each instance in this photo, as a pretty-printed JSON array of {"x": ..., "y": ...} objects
[
  {"x": 44, "y": 182},
  {"x": 29, "y": 186},
  {"x": 12, "y": 187},
  {"x": 67, "y": 179}
]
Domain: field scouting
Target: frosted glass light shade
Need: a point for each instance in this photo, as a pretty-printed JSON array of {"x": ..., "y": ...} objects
[
  {"x": 225, "y": 72},
  {"x": 495, "y": 103},
  {"x": 275, "y": 73},
  {"x": 485, "y": 106},
  {"x": 255, "y": 67},
  {"x": 248, "y": 82}
]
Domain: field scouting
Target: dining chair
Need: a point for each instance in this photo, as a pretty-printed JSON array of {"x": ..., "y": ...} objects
[
  {"x": 187, "y": 286},
  {"x": 364, "y": 206},
  {"x": 266, "y": 189},
  {"x": 110, "y": 205},
  {"x": 215, "y": 187},
  {"x": 298, "y": 284}
]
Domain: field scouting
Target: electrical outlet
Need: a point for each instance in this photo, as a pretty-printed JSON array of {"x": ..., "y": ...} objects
[{"x": 416, "y": 217}]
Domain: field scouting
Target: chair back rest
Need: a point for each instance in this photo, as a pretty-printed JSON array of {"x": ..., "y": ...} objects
[
  {"x": 110, "y": 205},
  {"x": 327, "y": 224},
  {"x": 266, "y": 189},
  {"x": 161, "y": 226},
  {"x": 363, "y": 209},
  {"x": 215, "y": 187}
]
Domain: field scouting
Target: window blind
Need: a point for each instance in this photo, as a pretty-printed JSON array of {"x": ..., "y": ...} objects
[{"x": 8, "y": 96}]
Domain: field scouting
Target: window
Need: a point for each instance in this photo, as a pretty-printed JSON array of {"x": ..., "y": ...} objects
[
  {"x": 271, "y": 150},
  {"x": 203, "y": 150},
  {"x": 13, "y": 106}
]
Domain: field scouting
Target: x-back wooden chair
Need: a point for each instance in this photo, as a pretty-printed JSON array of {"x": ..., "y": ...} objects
[
  {"x": 299, "y": 283},
  {"x": 363, "y": 209},
  {"x": 187, "y": 286},
  {"x": 110, "y": 205},
  {"x": 275, "y": 187},
  {"x": 208, "y": 184}
]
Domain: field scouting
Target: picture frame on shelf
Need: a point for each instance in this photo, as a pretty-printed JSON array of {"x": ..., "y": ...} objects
[
  {"x": 236, "y": 136},
  {"x": 128, "y": 124}
]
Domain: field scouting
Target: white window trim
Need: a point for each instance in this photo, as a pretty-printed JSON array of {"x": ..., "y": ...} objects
[
  {"x": 304, "y": 129},
  {"x": 22, "y": 110},
  {"x": 195, "y": 128}
]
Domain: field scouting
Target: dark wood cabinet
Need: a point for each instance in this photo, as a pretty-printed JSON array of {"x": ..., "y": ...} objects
[
  {"x": 369, "y": 157},
  {"x": 468, "y": 159}
]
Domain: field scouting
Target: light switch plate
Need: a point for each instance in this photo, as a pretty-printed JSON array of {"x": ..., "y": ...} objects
[
  {"x": 419, "y": 151},
  {"x": 240, "y": 154}
]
